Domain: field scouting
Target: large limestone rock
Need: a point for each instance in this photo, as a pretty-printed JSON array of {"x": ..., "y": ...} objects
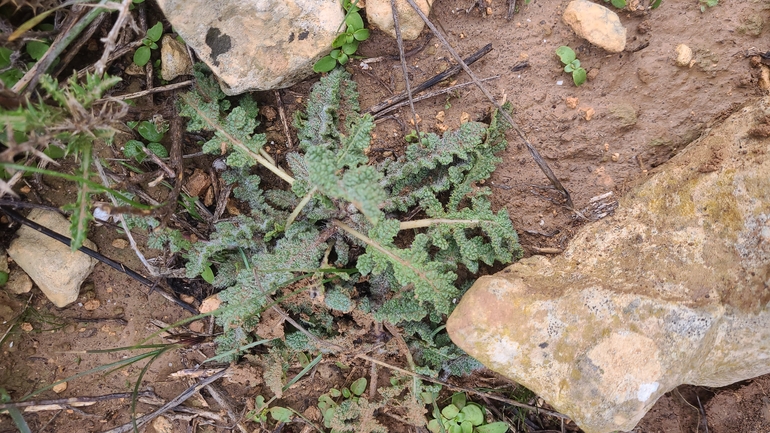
[
  {"x": 596, "y": 24},
  {"x": 379, "y": 13},
  {"x": 257, "y": 44},
  {"x": 673, "y": 289},
  {"x": 56, "y": 270}
]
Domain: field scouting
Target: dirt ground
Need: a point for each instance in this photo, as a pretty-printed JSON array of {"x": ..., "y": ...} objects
[{"x": 637, "y": 109}]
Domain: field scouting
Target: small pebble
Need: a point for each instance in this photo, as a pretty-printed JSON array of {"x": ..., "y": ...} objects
[
  {"x": 92, "y": 305},
  {"x": 683, "y": 55},
  {"x": 571, "y": 102},
  {"x": 60, "y": 388},
  {"x": 120, "y": 243},
  {"x": 615, "y": 157}
]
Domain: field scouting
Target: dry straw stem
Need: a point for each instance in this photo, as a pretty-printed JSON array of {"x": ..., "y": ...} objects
[
  {"x": 535, "y": 154},
  {"x": 181, "y": 398}
]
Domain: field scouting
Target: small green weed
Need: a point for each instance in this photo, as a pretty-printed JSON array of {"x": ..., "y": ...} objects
[
  {"x": 462, "y": 416},
  {"x": 149, "y": 43},
  {"x": 70, "y": 124},
  {"x": 330, "y": 409},
  {"x": 620, "y": 4},
  {"x": 346, "y": 43},
  {"x": 571, "y": 64},
  {"x": 153, "y": 132},
  {"x": 707, "y": 4}
]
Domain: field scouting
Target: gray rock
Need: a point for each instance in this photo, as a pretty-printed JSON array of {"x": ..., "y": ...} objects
[
  {"x": 257, "y": 44},
  {"x": 673, "y": 289},
  {"x": 174, "y": 59},
  {"x": 380, "y": 14},
  {"x": 56, "y": 270},
  {"x": 596, "y": 24}
]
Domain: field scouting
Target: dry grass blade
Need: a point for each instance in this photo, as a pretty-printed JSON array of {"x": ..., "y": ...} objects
[{"x": 181, "y": 398}]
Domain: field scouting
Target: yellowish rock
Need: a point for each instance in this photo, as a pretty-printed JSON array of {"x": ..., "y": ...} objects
[{"x": 672, "y": 289}]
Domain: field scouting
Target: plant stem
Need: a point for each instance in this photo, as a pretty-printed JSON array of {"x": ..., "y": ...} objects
[
  {"x": 427, "y": 222},
  {"x": 295, "y": 213},
  {"x": 242, "y": 147}
]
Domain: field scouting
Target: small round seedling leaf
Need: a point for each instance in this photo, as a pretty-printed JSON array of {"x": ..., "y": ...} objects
[
  {"x": 354, "y": 21},
  {"x": 343, "y": 59},
  {"x": 620, "y": 4},
  {"x": 259, "y": 402},
  {"x": 579, "y": 76},
  {"x": 334, "y": 392},
  {"x": 133, "y": 150},
  {"x": 54, "y": 152},
  {"x": 450, "y": 411},
  {"x": 455, "y": 428},
  {"x": 566, "y": 54},
  {"x": 11, "y": 77},
  {"x": 5, "y": 57},
  {"x": 495, "y": 427},
  {"x": 158, "y": 149},
  {"x": 208, "y": 276},
  {"x": 149, "y": 131},
  {"x": 37, "y": 49},
  {"x": 346, "y": 392},
  {"x": 153, "y": 46},
  {"x": 361, "y": 34},
  {"x": 458, "y": 399},
  {"x": 466, "y": 427},
  {"x": 3, "y": 278},
  {"x": 281, "y": 414},
  {"x": 569, "y": 68},
  {"x": 155, "y": 32},
  {"x": 473, "y": 414},
  {"x": 340, "y": 40},
  {"x": 350, "y": 48},
  {"x": 434, "y": 426},
  {"x": 358, "y": 386},
  {"x": 142, "y": 55}
]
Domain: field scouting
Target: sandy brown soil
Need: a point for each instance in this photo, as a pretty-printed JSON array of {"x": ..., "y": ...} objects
[{"x": 635, "y": 112}]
